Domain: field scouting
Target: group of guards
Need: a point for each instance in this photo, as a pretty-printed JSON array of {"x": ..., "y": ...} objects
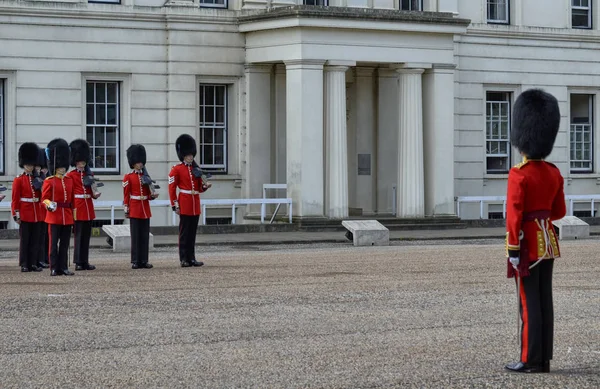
[{"x": 48, "y": 203}]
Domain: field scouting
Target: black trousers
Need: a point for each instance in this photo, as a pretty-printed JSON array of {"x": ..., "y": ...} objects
[
  {"x": 140, "y": 240},
  {"x": 29, "y": 234},
  {"x": 537, "y": 314},
  {"x": 188, "y": 226},
  {"x": 43, "y": 239},
  {"x": 83, "y": 233},
  {"x": 60, "y": 238}
]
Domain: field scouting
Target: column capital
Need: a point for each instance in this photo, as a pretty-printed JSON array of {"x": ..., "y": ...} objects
[
  {"x": 279, "y": 68},
  {"x": 365, "y": 71},
  {"x": 335, "y": 62},
  {"x": 258, "y": 68},
  {"x": 304, "y": 64},
  {"x": 336, "y": 68},
  {"x": 409, "y": 71},
  {"x": 447, "y": 68}
]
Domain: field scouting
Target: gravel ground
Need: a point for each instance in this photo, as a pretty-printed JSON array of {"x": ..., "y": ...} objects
[{"x": 414, "y": 314}]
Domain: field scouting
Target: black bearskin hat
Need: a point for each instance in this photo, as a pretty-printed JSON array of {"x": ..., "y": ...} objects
[
  {"x": 80, "y": 151},
  {"x": 185, "y": 145},
  {"x": 28, "y": 154},
  {"x": 42, "y": 161},
  {"x": 136, "y": 153},
  {"x": 57, "y": 153},
  {"x": 535, "y": 122}
]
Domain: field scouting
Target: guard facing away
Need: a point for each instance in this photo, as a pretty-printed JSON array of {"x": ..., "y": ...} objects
[
  {"x": 41, "y": 171},
  {"x": 138, "y": 190},
  {"x": 535, "y": 198},
  {"x": 58, "y": 197},
  {"x": 84, "y": 194},
  {"x": 25, "y": 208},
  {"x": 187, "y": 176}
]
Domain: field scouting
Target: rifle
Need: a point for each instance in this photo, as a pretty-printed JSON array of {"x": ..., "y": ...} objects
[
  {"x": 38, "y": 179},
  {"x": 146, "y": 180},
  {"x": 89, "y": 180},
  {"x": 199, "y": 173}
]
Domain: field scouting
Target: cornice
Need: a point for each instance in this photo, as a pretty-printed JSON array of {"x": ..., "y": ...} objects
[{"x": 540, "y": 33}]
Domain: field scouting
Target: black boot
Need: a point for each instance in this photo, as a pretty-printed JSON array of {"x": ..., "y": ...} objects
[
  {"x": 521, "y": 367},
  {"x": 546, "y": 367},
  {"x": 196, "y": 263},
  {"x": 43, "y": 265}
]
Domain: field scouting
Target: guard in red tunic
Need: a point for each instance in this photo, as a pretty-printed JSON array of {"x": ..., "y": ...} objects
[
  {"x": 187, "y": 176},
  {"x": 84, "y": 203},
  {"x": 138, "y": 190},
  {"x": 535, "y": 198},
  {"x": 41, "y": 171},
  {"x": 26, "y": 208},
  {"x": 58, "y": 197}
]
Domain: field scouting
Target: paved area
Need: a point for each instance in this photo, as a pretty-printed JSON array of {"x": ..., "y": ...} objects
[
  {"x": 437, "y": 314},
  {"x": 261, "y": 238}
]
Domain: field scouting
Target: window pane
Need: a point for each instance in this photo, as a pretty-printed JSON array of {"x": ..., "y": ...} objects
[
  {"x": 100, "y": 114},
  {"x": 111, "y": 157},
  {"x": 207, "y": 154},
  {"x": 219, "y": 136},
  {"x": 112, "y": 92},
  {"x": 100, "y": 158},
  {"x": 99, "y": 136},
  {"x": 220, "y": 119},
  {"x": 89, "y": 114},
  {"x": 100, "y": 93},
  {"x": 219, "y": 160},
  {"x": 220, "y": 95},
  {"x": 89, "y": 93},
  {"x": 209, "y": 95},
  {"x": 111, "y": 136},
  {"x": 111, "y": 114}
]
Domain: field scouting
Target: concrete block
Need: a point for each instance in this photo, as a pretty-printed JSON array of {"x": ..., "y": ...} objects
[
  {"x": 367, "y": 232},
  {"x": 571, "y": 227},
  {"x": 121, "y": 237}
]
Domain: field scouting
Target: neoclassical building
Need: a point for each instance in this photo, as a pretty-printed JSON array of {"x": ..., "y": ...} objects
[{"x": 372, "y": 107}]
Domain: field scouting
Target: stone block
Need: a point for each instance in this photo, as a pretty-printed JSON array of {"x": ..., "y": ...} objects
[
  {"x": 367, "y": 232},
  {"x": 571, "y": 227},
  {"x": 120, "y": 236}
]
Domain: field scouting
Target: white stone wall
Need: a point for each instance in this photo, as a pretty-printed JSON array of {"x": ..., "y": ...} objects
[
  {"x": 160, "y": 55},
  {"x": 540, "y": 51}
]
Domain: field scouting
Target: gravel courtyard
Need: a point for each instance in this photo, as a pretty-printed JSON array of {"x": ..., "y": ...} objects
[{"x": 414, "y": 314}]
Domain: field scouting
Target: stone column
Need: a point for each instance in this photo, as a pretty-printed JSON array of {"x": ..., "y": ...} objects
[
  {"x": 258, "y": 131},
  {"x": 410, "y": 199},
  {"x": 336, "y": 151},
  {"x": 366, "y": 182},
  {"x": 304, "y": 137},
  {"x": 280, "y": 125},
  {"x": 438, "y": 139}
]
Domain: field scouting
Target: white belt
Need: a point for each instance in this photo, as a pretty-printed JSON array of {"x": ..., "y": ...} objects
[
  {"x": 82, "y": 196},
  {"x": 30, "y": 200},
  {"x": 190, "y": 192},
  {"x": 138, "y": 197}
]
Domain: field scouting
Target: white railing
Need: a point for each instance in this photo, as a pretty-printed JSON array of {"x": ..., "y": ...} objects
[
  {"x": 482, "y": 200},
  {"x": 233, "y": 203}
]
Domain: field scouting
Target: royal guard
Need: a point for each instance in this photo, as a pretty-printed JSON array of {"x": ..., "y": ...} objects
[
  {"x": 138, "y": 190},
  {"x": 58, "y": 197},
  {"x": 26, "y": 208},
  {"x": 187, "y": 176},
  {"x": 41, "y": 171},
  {"x": 84, "y": 203},
  {"x": 535, "y": 198}
]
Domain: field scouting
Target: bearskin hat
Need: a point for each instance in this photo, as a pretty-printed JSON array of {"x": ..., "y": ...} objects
[
  {"x": 136, "y": 153},
  {"x": 535, "y": 122},
  {"x": 80, "y": 151},
  {"x": 58, "y": 155},
  {"x": 28, "y": 154},
  {"x": 185, "y": 145},
  {"x": 42, "y": 161}
]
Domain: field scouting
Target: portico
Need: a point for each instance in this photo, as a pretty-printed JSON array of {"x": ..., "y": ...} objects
[{"x": 359, "y": 113}]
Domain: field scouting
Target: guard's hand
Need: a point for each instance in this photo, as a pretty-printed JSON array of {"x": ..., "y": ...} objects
[
  {"x": 206, "y": 186},
  {"x": 154, "y": 196},
  {"x": 514, "y": 261},
  {"x": 17, "y": 218},
  {"x": 126, "y": 209},
  {"x": 51, "y": 207}
]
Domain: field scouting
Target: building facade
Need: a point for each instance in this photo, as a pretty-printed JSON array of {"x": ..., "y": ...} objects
[{"x": 373, "y": 107}]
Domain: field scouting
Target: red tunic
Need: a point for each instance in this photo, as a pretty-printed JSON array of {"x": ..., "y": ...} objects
[
  {"x": 25, "y": 199},
  {"x": 190, "y": 188},
  {"x": 136, "y": 196},
  {"x": 59, "y": 189},
  {"x": 535, "y": 197},
  {"x": 84, "y": 203}
]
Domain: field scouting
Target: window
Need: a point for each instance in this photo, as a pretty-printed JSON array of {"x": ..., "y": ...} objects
[
  {"x": 581, "y": 133},
  {"x": 1, "y": 126},
  {"x": 411, "y": 5},
  {"x": 103, "y": 107},
  {"x": 581, "y": 13},
  {"x": 316, "y": 2},
  {"x": 213, "y": 127},
  {"x": 498, "y": 11},
  {"x": 497, "y": 132},
  {"x": 213, "y": 3},
  {"x": 105, "y": 1}
]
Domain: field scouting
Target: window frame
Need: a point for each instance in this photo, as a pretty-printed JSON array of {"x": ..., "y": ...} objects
[
  {"x": 497, "y": 21},
  {"x": 590, "y": 15},
  {"x": 104, "y": 1},
  {"x": 417, "y": 10},
  {"x": 215, "y": 169},
  {"x": 225, "y": 5},
  {"x": 591, "y": 124},
  {"x": 3, "y": 83},
  {"x": 509, "y": 156}
]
